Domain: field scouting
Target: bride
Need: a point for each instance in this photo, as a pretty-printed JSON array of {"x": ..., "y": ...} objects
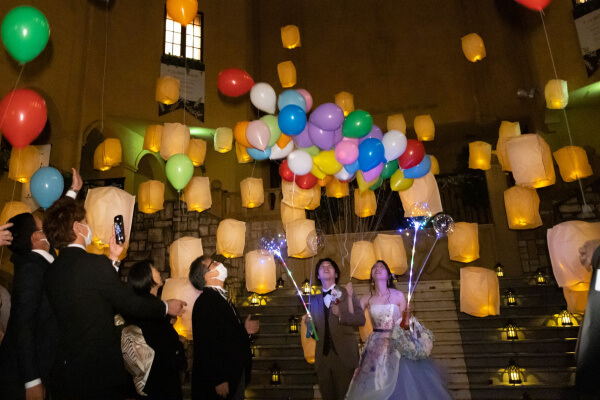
[{"x": 395, "y": 362}]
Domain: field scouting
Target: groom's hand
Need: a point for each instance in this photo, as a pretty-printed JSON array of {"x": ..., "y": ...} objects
[
  {"x": 335, "y": 309},
  {"x": 250, "y": 325},
  {"x": 222, "y": 389}
]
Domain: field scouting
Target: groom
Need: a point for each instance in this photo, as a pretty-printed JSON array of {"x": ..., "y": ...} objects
[{"x": 336, "y": 354}]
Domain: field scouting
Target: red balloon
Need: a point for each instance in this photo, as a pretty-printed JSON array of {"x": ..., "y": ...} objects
[
  {"x": 234, "y": 82},
  {"x": 413, "y": 154},
  {"x": 307, "y": 181},
  {"x": 23, "y": 115},
  {"x": 285, "y": 172},
  {"x": 537, "y": 5}
]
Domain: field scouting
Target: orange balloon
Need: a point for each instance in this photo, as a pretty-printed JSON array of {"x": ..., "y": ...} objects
[
  {"x": 182, "y": 11},
  {"x": 283, "y": 140},
  {"x": 323, "y": 182},
  {"x": 239, "y": 133}
]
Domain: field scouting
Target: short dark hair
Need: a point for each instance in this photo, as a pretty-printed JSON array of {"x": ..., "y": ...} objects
[
  {"x": 198, "y": 270},
  {"x": 140, "y": 277},
  {"x": 333, "y": 264},
  {"x": 59, "y": 219},
  {"x": 23, "y": 227}
]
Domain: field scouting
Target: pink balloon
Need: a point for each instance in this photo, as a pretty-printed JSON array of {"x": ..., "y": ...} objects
[
  {"x": 258, "y": 134},
  {"x": 307, "y": 98},
  {"x": 346, "y": 151},
  {"x": 373, "y": 173}
]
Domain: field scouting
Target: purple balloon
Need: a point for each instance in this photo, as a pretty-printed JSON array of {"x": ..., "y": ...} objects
[
  {"x": 302, "y": 139},
  {"x": 327, "y": 116},
  {"x": 373, "y": 173},
  {"x": 323, "y": 139},
  {"x": 375, "y": 133}
]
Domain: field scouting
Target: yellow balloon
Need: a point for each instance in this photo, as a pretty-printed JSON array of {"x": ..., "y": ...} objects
[
  {"x": 182, "y": 11},
  {"x": 399, "y": 183},
  {"x": 317, "y": 172},
  {"x": 327, "y": 163},
  {"x": 362, "y": 184}
]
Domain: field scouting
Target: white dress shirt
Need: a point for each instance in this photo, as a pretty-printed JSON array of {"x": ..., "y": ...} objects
[{"x": 327, "y": 297}]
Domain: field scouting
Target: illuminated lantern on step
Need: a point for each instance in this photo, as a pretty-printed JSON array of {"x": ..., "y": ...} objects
[
  {"x": 151, "y": 196},
  {"x": 511, "y": 332},
  {"x": 500, "y": 270},
  {"x": 473, "y": 47},
  {"x": 289, "y": 214},
  {"x": 306, "y": 287},
  {"x": 102, "y": 205},
  {"x": 511, "y": 298},
  {"x": 480, "y": 155},
  {"x": 514, "y": 375},
  {"x": 261, "y": 272},
  {"x": 287, "y": 74},
  {"x": 565, "y": 318},
  {"x": 479, "y": 291},
  {"x": 280, "y": 283},
  {"x": 255, "y": 300},
  {"x": 316, "y": 199},
  {"x": 152, "y": 138},
  {"x": 197, "y": 194},
  {"x": 365, "y": 203},
  {"x": 396, "y": 122},
  {"x": 182, "y": 289},
  {"x": 275, "y": 375},
  {"x": 23, "y": 163},
  {"x": 181, "y": 254},
  {"x": 337, "y": 189},
  {"x": 309, "y": 344},
  {"x": 463, "y": 242},
  {"x": 424, "y": 128},
  {"x": 231, "y": 238},
  {"x": 435, "y": 165},
  {"x": 197, "y": 151},
  {"x": 540, "y": 277},
  {"x": 290, "y": 36},
  {"x": 253, "y": 194},
  {"x": 167, "y": 90},
  {"x": 556, "y": 94},
  {"x": 522, "y": 206},
  {"x": 390, "y": 248},
  {"x": 107, "y": 155},
  {"x": 295, "y": 196},
  {"x": 241, "y": 154},
  {"x": 11, "y": 209},
  {"x": 362, "y": 258},
  {"x": 572, "y": 163},
  {"x": 223, "y": 141},
  {"x": 576, "y": 297},
  {"x": 299, "y": 233},
  {"x": 293, "y": 324},
  {"x": 531, "y": 161},
  {"x": 345, "y": 101},
  {"x": 423, "y": 190},
  {"x": 175, "y": 140}
]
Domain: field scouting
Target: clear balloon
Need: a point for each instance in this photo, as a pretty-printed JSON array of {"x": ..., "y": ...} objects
[
  {"x": 443, "y": 224},
  {"x": 316, "y": 241},
  {"x": 419, "y": 210}
]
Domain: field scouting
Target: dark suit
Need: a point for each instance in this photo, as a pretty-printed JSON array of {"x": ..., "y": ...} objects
[
  {"x": 85, "y": 293},
  {"x": 334, "y": 370},
  {"x": 29, "y": 346},
  {"x": 221, "y": 346}
]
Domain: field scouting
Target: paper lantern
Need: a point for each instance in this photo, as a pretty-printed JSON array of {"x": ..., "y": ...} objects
[
  {"x": 337, "y": 189},
  {"x": 197, "y": 194},
  {"x": 151, "y": 196},
  {"x": 289, "y": 214},
  {"x": 309, "y": 344},
  {"x": 572, "y": 163},
  {"x": 242, "y": 154},
  {"x": 182, "y": 289},
  {"x": 531, "y": 161},
  {"x": 564, "y": 242},
  {"x": 290, "y": 36},
  {"x": 396, "y": 122},
  {"x": 366, "y": 330},
  {"x": 102, "y": 205},
  {"x": 435, "y": 166},
  {"x": 287, "y": 74},
  {"x": 295, "y": 196},
  {"x": 365, "y": 203},
  {"x": 463, "y": 242},
  {"x": 23, "y": 163},
  {"x": 424, "y": 128},
  {"x": 253, "y": 193},
  {"x": 175, "y": 140},
  {"x": 261, "y": 272},
  {"x": 11, "y": 209},
  {"x": 345, "y": 101},
  {"x": 108, "y": 154},
  {"x": 423, "y": 190},
  {"x": 316, "y": 199},
  {"x": 390, "y": 248},
  {"x": 473, "y": 47},
  {"x": 480, "y": 155},
  {"x": 152, "y": 138},
  {"x": 197, "y": 151},
  {"x": 231, "y": 238},
  {"x": 576, "y": 297},
  {"x": 556, "y": 94},
  {"x": 362, "y": 259},
  {"x": 298, "y": 234},
  {"x": 182, "y": 253},
  {"x": 509, "y": 129},
  {"x": 522, "y": 208},
  {"x": 167, "y": 90},
  {"x": 223, "y": 140},
  {"x": 479, "y": 292}
]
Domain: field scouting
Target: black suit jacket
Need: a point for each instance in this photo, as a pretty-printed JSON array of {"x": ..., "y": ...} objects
[
  {"x": 85, "y": 293},
  {"x": 221, "y": 346},
  {"x": 29, "y": 346}
]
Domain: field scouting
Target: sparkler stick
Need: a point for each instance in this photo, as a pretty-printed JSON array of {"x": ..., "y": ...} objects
[{"x": 416, "y": 224}]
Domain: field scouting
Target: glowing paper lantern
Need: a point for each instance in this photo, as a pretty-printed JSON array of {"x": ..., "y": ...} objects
[
  {"x": 337, "y": 189},
  {"x": 473, "y": 47},
  {"x": 424, "y": 128},
  {"x": 509, "y": 129},
  {"x": 345, "y": 101},
  {"x": 261, "y": 272},
  {"x": 463, "y": 242},
  {"x": 223, "y": 140},
  {"x": 396, "y": 122},
  {"x": 362, "y": 258},
  {"x": 572, "y": 163},
  {"x": 231, "y": 238},
  {"x": 480, "y": 155},
  {"x": 253, "y": 193},
  {"x": 175, "y": 140},
  {"x": 316, "y": 199},
  {"x": 479, "y": 292},
  {"x": 522, "y": 208},
  {"x": 152, "y": 138},
  {"x": 197, "y": 151},
  {"x": 289, "y": 214},
  {"x": 287, "y": 74},
  {"x": 242, "y": 154},
  {"x": 197, "y": 194},
  {"x": 390, "y": 248},
  {"x": 531, "y": 161},
  {"x": 309, "y": 344},
  {"x": 167, "y": 90},
  {"x": 23, "y": 163},
  {"x": 182, "y": 289},
  {"x": 298, "y": 234},
  {"x": 151, "y": 196},
  {"x": 108, "y": 154},
  {"x": 102, "y": 205},
  {"x": 435, "y": 166},
  {"x": 295, "y": 196},
  {"x": 290, "y": 36},
  {"x": 11, "y": 209},
  {"x": 556, "y": 94},
  {"x": 365, "y": 203},
  {"x": 181, "y": 254},
  {"x": 576, "y": 297},
  {"x": 423, "y": 190}
]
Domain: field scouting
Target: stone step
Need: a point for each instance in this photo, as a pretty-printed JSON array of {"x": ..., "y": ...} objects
[
  {"x": 276, "y": 299},
  {"x": 505, "y": 346},
  {"x": 269, "y": 392},
  {"x": 546, "y": 391},
  {"x": 499, "y": 321},
  {"x": 539, "y": 332},
  {"x": 286, "y": 363},
  {"x": 524, "y": 360},
  {"x": 490, "y": 376}
]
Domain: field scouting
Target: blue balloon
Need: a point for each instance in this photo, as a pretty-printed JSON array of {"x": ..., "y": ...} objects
[
  {"x": 419, "y": 170},
  {"x": 259, "y": 154},
  {"x": 371, "y": 153},
  {"x": 352, "y": 168},
  {"x": 291, "y": 96},
  {"x": 292, "y": 120},
  {"x": 46, "y": 186}
]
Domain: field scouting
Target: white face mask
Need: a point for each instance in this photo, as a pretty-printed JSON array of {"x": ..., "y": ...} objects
[
  {"x": 88, "y": 237},
  {"x": 222, "y": 272}
]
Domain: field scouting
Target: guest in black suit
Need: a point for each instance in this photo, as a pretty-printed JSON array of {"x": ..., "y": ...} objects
[
  {"x": 164, "y": 382},
  {"x": 222, "y": 355},
  {"x": 85, "y": 293}
]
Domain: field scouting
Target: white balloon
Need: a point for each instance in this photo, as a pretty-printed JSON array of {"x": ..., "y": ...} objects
[
  {"x": 394, "y": 143},
  {"x": 300, "y": 162},
  {"x": 344, "y": 175},
  {"x": 263, "y": 97},
  {"x": 277, "y": 153}
]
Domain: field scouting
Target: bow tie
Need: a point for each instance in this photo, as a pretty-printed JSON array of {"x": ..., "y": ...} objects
[{"x": 327, "y": 293}]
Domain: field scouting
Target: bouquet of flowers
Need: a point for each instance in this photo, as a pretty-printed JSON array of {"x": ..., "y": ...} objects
[{"x": 414, "y": 343}]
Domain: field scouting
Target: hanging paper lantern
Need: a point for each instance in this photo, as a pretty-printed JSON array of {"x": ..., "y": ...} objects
[
  {"x": 573, "y": 163},
  {"x": 287, "y": 74},
  {"x": 182, "y": 289},
  {"x": 167, "y": 90},
  {"x": 261, "y": 272},
  {"x": 181, "y": 254},
  {"x": 479, "y": 292},
  {"x": 435, "y": 166},
  {"x": 151, "y": 196},
  {"x": 345, "y": 101},
  {"x": 390, "y": 248},
  {"x": 316, "y": 199},
  {"x": 556, "y": 94},
  {"x": 23, "y": 163},
  {"x": 299, "y": 234},
  {"x": 175, "y": 140},
  {"x": 396, "y": 122},
  {"x": 289, "y": 214},
  {"x": 231, "y": 238},
  {"x": 295, "y": 196},
  {"x": 463, "y": 242},
  {"x": 576, "y": 297},
  {"x": 242, "y": 154},
  {"x": 253, "y": 193},
  {"x": 108, "y": 154},
  {"x": 473, "y": 47},
  {"x": 365, "y": 203},
  {"x": 480, "y": 155},
  {"x": 223, "y": 140},
  {"x": 11, "y": 209},
  {"x": 362, "y": 258},
  {"x": 424, "y": 127},
  {"x": 531, "y": 161},
  {"x": 309, "y": 344},
  {"x": 509, "y": 129},
  {"x": 337, "y": 189},
  {"x": 522, "y": 208},
  {"x": 197, "y": 151},
  {"x": 152, "y": 138},
  {"x": 290, "y": 36},
  {"x": 197, "y": 194},
  {"x": 102, "y": 205},
  {"x": 423, "y": 190}
]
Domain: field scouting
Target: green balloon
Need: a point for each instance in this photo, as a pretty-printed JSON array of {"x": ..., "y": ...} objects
[
  {"x": 273, "y": 125},
  {"x": 357, "y": 124},
  {"x": 25, "y": 33},
  {"x": 312, "y": 150},
  {"x": 180, "y": 170},
  {"x": 377, "y": 184},
  {"x": 389, "y": 168}
]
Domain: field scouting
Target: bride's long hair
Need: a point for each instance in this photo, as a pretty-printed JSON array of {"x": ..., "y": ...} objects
[{"x": 389, "y": 283}]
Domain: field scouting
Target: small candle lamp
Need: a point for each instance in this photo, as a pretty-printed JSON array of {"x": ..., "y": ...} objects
[
  {"x": 540, "y": 279},
  {"x": 514, "y": 375},
  {"x": 293, "y": 324},
  {"x": 511, "y": 300},
  {"x": 500, "y": 270},
  {"x": 275, "y": 375},
  {"x": 511, "y": 332},
  {"x": 565, "y": 318},
  {"x": 280, "y": 283},
  {"x": 255, "y": 300},
  {"x": 306, "y": 286}
]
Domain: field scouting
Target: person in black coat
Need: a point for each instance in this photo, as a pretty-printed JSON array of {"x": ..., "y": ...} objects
[{"x": 222, "y": 354}]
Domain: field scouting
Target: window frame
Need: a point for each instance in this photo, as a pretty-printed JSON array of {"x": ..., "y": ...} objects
[{"x": 172, "y": 59}]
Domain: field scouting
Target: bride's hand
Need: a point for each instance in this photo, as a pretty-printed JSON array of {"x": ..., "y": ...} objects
[{"x": 349, "y": 289}]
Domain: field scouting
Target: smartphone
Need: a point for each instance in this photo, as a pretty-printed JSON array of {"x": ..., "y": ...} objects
[{"x": 119, "y": 229}]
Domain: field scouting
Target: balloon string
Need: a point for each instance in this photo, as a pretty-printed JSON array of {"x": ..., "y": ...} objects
[
  {"x": 12, "y": 197},
  {"x": 185, "y": 73},
  {"x": 412, "y": 261},
  {"x": 12, "y": 94},
  {"x": 104, "y": 69},
  {"x": 437, "y": 237}
]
